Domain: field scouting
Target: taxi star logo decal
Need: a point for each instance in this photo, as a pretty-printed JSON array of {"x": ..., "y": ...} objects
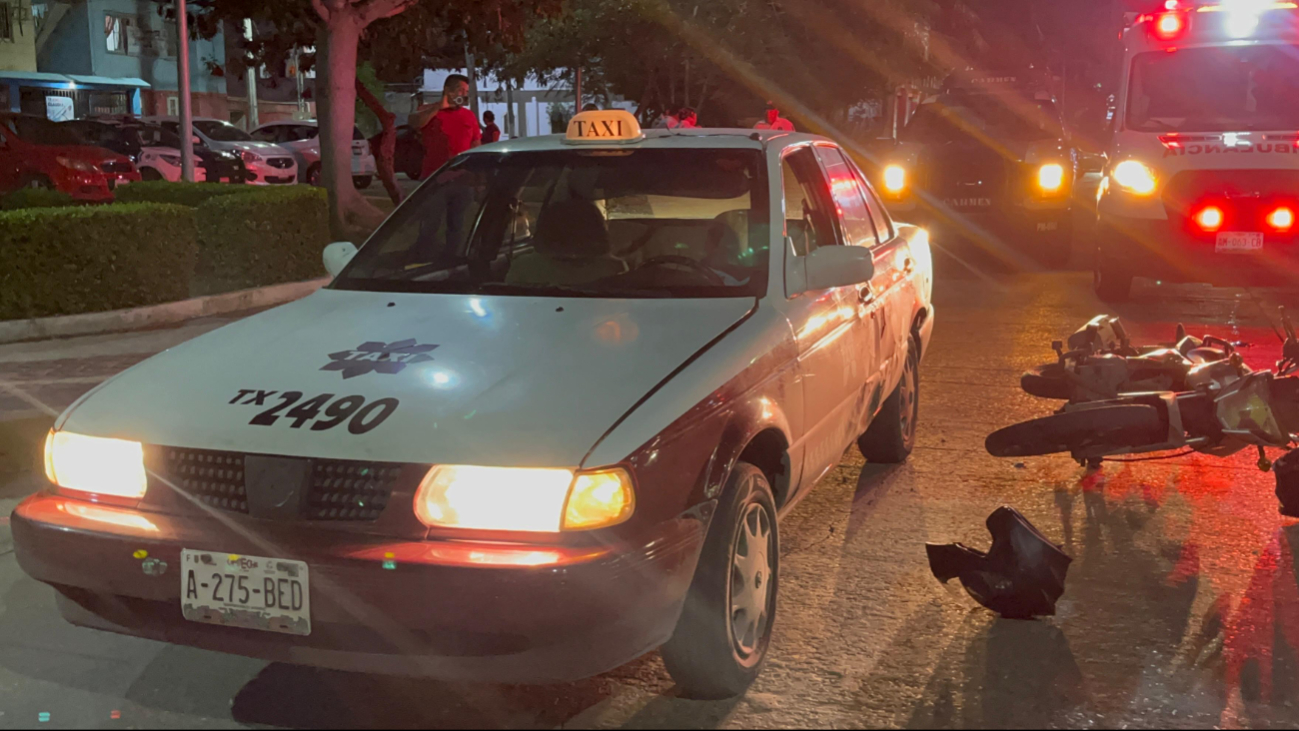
[{"x": 379, "y": 357}]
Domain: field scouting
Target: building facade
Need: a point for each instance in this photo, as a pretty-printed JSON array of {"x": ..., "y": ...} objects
[{"x": 129, "y": 42}]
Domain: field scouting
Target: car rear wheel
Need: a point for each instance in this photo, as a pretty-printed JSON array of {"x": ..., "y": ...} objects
[
  {"x": 892, "y": 435},
  {"x": 313, "y": 175},
  {"x": 1111, "y": 283},
  {"x": 150, "y": 174},
  {"x": 361, "y": 182},
  {"x": 721, "y": 640}
]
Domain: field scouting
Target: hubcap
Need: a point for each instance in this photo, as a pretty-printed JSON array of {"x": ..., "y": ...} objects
[
  {"x": 910, "y": 406},
  {"x": 751, "y": 580}
]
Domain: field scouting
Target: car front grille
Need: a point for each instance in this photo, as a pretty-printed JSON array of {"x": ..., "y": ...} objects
[
  {"x": 283, "y": 163},
  {"x": 333, "y": 490},
  {"x": 962, "y": 171},
  {"x": 345, "y": 490},
  {"x": 117, "y": 168},
  {"x": 214, "y": 478}
]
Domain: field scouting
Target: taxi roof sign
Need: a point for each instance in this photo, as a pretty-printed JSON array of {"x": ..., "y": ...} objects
[{"x": 605, "y": 127}]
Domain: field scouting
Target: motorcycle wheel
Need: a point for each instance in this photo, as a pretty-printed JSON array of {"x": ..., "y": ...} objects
[
  {"x": 1046, "y": 381},
  {"x": 1129, "y": 425}
]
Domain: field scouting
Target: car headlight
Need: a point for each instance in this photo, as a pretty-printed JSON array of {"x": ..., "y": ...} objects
[
  {"x": 1050, "y": 177},
  {"x": 1134, "y": 177},
  {"x": 524, "y": 499},
  {"x": 250, "y": 156},
  {"x": 95, "y": 465},
  {"x": 80, "y": 166},
  {"x": 895, "y": 179}
]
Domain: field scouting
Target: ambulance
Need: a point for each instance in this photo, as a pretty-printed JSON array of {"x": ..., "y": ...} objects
[{"x": 1202, "y": 182}]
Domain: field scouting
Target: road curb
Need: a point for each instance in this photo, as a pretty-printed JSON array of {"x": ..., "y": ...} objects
[{"x": 143, "y": 318}]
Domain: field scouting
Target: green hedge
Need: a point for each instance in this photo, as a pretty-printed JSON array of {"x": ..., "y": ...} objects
[
  {"x": 273, "y": 236},
  {"x": 182, "y": 194},
  {"x": 35, "y": 198},
  {"x": 61, "y": 261}
]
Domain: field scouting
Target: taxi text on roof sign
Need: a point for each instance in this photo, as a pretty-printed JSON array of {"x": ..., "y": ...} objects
[{"x": 606, "y": 126}]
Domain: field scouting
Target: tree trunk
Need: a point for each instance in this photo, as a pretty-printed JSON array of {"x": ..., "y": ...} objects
[
  {"x": 385, "y": 147},
  {"x": 351, "y": 215}
]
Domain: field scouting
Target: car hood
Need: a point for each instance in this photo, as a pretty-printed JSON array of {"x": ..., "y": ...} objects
[
  {"x": 87, "y": 153},
  {"x": 509, "y": 381},
  {"x": 1014, "y": 151},
  {"x": 261, "y": 148}
]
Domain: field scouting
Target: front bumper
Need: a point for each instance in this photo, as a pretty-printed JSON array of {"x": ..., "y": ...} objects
[
  {"x": 444, "y": 611},
  {"x": 260, "y": 173},
  {"x": 92, "y": 187},
  {"x": 1164, "y": 249}
]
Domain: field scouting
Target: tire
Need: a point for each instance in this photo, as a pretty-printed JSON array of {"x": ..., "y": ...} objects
[
  {"x": 705, "y": 657},
  {"x": 892, "y": 435},
  {"x": 361, "y": 182},
  {"x": 1046, "y": 381},
  {"x": 313, "y": 175},
  {"x": 1056, "y": 251},
  {"x": 150, "y": 174},
  {"x": 41, "y": 182},
  {"x": 1127, "y": 425}
]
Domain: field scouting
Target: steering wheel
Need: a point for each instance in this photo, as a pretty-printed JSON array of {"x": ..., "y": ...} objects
[{"x": 684, "y": 261}]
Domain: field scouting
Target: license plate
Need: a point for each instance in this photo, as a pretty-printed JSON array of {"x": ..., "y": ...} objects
[
  {"x": 1234, "y": 242},
  {"x": 251, "y": 592}
]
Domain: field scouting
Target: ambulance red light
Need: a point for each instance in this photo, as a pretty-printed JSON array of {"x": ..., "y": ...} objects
[
  {"x": 1210, "y": 218},
  {"x": 1169, "y": 26},
  {"x": 1282, "y": 219}
]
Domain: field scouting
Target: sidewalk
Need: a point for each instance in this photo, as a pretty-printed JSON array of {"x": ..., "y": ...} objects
[{"x": 39, "y": 379}]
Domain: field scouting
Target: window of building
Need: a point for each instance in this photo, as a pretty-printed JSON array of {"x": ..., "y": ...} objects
[
  {"x": 173, "y": 106},
  {"x": 6, "y": 22},
  {"x": 118, "y": 35}
]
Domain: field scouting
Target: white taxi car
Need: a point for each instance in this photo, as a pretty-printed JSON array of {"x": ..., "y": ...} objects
[{"x": 543, "y": 422}]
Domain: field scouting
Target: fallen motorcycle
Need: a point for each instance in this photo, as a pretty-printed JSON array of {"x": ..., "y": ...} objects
[
  {"x": 1101, "y": 364},
  {"x": 1234, "y": 410}
]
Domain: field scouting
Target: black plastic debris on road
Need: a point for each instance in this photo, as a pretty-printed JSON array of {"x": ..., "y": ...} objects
[
  {"x": 1020, "y": 577},
  {"x": 1286, "y": 469}
]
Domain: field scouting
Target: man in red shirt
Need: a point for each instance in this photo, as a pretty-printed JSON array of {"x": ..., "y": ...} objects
[
  {"x": 449, "y": 127},
  {"x": 774, "y": 121}
]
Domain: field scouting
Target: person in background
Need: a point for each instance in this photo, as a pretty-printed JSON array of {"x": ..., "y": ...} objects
[
  {"x": 448, "y": 127},
  {"x": 689, "y": 119},
  {"x": 491, "y": 133},
  {"x": 774, "y": 121},
  {"x": 591, "y": 107},
  {"x": 669, "y": 120}
]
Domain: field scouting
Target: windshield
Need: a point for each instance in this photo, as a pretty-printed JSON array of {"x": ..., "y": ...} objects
[
  {"x": 1219, "y": 89},
  {"x": 44, "y": 132},
  {"x": 643, "y": 223},
  {"x": 221, "y": 131},
  {"x": 1000, "y": 117}
]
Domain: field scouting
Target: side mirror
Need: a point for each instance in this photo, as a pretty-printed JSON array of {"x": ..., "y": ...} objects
[
  {"x": 337, "y": 255},
  {"x": 839, "y": 266}
]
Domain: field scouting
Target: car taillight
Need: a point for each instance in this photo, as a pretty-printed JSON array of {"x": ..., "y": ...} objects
[
  {"x": 1282, "y": 219},
  {"x": 1210, "y": 218},
  {"x": 1169, "y": 26}
]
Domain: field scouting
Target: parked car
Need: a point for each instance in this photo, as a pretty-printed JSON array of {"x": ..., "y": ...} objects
[
  {"x": 302, "y": 138},
  {"x": 156, "y": 151},
  {"x": 542, "y": 423},
  {"x": 267, "y": 164},
  {"x": 38, "y": 153}
]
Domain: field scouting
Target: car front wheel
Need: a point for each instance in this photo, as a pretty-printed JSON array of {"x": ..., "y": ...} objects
[{"x": 724, "y": 632}]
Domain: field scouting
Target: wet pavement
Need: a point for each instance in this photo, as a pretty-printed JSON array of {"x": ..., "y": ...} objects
[{"x": 1181, "y": 607}]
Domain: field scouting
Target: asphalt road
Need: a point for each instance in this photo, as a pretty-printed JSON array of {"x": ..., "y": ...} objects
[{"x": 1181, "y": 607}]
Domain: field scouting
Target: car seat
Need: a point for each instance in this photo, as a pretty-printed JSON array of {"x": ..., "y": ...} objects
[{"x": 571, "y": 246}]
